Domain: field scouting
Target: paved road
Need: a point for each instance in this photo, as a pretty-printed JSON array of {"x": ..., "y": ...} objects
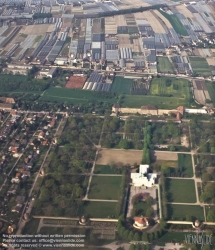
[{"x": 101, "y": 200}]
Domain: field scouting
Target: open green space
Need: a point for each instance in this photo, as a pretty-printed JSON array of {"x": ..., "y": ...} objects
[
  {"x": 105, "y": 187},
  {"x": 164, "y": 65},
  {"x": 200, "y": 66},
  {"x": 164, "y": 86},
  {"x": 106, "y": 169},
  {"x": 76, "y": 96},
  {"x": 98, "y": 209},
  {"x": 180, "y": 190},
  {"x": 173, "y": 237},
  {"x": 176, "y": 23},
  {"x": 162, "y": 102},
  {"x": 185, "y": 164},
  {"x": 121, "y": 85},
  {"x": 181, "y": 212},
  {"x": 211, "y": 90}
]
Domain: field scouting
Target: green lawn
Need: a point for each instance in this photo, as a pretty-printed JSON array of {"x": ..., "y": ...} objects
[
  {"x": 105, "y": 169},
  {"x": 200, "y": 66},
  {"x": 97, "y": 209},
  {"x": 176, "y": 23},
  {"x": 173, "y": 236},
  {"x": 179, "y": 212},
  {"x": 121, "y": 85},
  {"x": 162, "y": 86},
  {"x": 136, "y": 101},
  {"x": 164, "y": 65},
  {"x": 76, "y": 96},
  {"x": 211, "y": 90},
  {"x": 185, "y": 164},
  {"x": 180, "y": 190},
  {"x": 105, "y": 187}
]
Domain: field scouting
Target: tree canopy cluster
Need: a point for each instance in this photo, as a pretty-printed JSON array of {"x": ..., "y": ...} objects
[
  {"x": 147, "y": 144},
  {"x": 22, "y": 83},
  {"x": 60, "y": 195},
  {"x": 208, "y": 194},
  {"x": 203, "y": 135},
  {"x": 166, "y": 133}
]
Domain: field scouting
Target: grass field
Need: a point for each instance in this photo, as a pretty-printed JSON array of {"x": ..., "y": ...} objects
[
  {"x": 180, "y": 190},
  {"x": 179, "y": 212},
  {"x": 106, "y": 169},
  {"x": 211, "y": 90},
  {"x": 185, "y": 163},
  {"x": 121, "y": 85},
  {"x": 176, "y": 23},
  {"x": 172, "y": 164},
  {"x": 173, "y": 236},
  {"x": 200, "y": 66},
  {"x": 77, "y": 96},
  {"x": 170, "y": 86},
  {"x": 105, "y": 187},
  {"x": 136, "y": 101},
  {"x": 164, "y": 65},
  {"x": 97, "y": 209}
]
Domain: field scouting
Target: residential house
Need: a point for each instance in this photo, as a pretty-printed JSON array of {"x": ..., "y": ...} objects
[
  {"x": 41, "y": 135},
  {"x": 17, "y": 208},
  {"x": 12, "y": 189},
  {"x": 26, "y": 173},
  {"x": 52, "y": 123},
  {"x": 15, "y": 180},
  {"x": 20, "y": 199}
]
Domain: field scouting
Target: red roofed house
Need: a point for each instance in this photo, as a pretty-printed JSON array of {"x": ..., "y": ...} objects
[
  {"x": 140, "y": 222},
  {"x": 41, "y": 135}
]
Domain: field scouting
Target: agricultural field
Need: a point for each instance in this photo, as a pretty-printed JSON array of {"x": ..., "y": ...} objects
[
  {"x": 98, "y": 209},
  {"x": 176, "y": 23},
  {"x": 164, "y": 65},
  {"x": 106, "y": 169},
  {"x": 121, "y": 85},
  {"x": 74, "y": 96},
  {"x": 105, "y": 187},
  {"x": 211, "y": 90},
  {"x": 162, "y": 102},
  {"x": 179, "y": 190},
  {"x": 200, "y": 92},
  {"x": 200, "y": 66},
  {"x": 171, "y": 87},
  {"x": 181, "y": 212},
  {"x": 75, "y": 82},
  {"x": 139, "y": 87}
]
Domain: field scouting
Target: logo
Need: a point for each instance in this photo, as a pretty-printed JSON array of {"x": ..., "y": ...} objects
[{"x": 198, "y": 239}]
